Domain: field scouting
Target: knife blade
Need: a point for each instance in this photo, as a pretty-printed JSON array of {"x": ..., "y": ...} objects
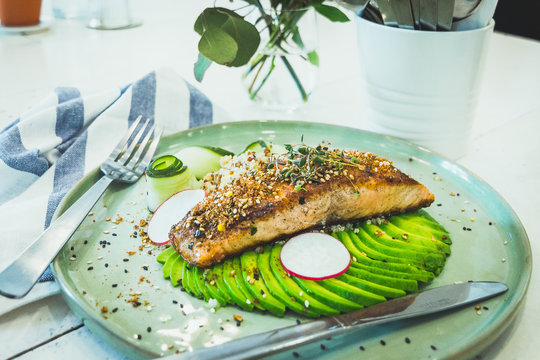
[{"x": 427, "y": 302}]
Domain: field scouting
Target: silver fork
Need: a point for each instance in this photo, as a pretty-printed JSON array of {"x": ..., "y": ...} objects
[{"x": 126, "y": 164}]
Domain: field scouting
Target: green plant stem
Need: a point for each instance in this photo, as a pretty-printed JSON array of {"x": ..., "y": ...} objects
[
  {"x": 272, "y": 66},
  {"x": 276, "y": 37},
  {"x": 252, "y": 95},
  {"x": 295, "y": 78}
]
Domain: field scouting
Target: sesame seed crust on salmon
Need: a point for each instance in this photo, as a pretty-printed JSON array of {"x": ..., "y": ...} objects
[{"x": 257, "y": 198}]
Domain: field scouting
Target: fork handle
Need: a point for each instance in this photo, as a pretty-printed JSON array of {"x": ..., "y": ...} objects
[{"x": 19, "y": 277}]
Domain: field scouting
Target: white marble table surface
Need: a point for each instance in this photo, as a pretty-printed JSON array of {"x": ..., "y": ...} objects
[{"x": 504, "y": 152}]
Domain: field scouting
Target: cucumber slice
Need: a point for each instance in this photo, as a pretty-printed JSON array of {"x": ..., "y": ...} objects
[
  {"x": 258, "y": 146},
  {"x": 166, "y": 176},
  {"x": 202, "y": 159}
]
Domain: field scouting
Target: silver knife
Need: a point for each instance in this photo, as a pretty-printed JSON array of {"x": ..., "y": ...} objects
[{"x": 424, "y": 303}]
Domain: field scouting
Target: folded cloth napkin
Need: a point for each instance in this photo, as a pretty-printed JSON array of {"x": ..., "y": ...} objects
[{"x": 52, "y": 145}]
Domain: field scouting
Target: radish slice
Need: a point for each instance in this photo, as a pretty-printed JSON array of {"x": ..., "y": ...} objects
[
  {"x": 170, "y": 212},
  {"x": 315, "y": 256}
]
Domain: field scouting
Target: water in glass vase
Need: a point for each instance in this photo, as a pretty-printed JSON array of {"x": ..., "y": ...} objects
[{"x": 282, "y": 75}]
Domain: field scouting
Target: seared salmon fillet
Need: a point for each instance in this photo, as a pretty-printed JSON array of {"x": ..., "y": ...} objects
[{"x": 257, "y": 198}]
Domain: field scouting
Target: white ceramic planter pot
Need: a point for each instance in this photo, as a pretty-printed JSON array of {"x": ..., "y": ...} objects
[{"x": 422, "y": 85}]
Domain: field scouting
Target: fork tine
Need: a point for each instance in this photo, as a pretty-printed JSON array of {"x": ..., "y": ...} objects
[
  {"x": 122, "y": 143},
  {"x": 142, "y": 147},
  {"x": 131, "y": 147},
  {"x": 151, "y": 150}
]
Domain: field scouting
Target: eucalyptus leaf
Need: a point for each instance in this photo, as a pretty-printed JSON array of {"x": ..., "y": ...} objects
[
  {"x": 313, "y": 58},
  {"x": 200, "y": 67},
  {"x": 246, "y": 36},
  {"x": 218, "y": 46},
  {"x": 331, "y": 13},
  {"x": 209, "y": 17}
]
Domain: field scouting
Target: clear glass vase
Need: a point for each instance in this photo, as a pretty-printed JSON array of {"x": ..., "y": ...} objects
[{"x": 284, "y": 71}]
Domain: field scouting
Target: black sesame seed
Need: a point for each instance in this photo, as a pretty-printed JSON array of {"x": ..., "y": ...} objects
[
  {"x": 90, "y": 268},
  {"x": 149, "y": 329},
  {"x": 433, "y": 347},
  {"x": 407, "y": 340},
  {"x": 145, "y": 267},
  {"x": 323, "y": 347},
  {"x": 238, "y": 323},
  {"x": 114, "y": 285},
  {"x": 298, "y": 322},
  {"x": 106, "y": 265},
  {"x": 125, "y": 259},
  {"x": 301, "y": 200},
  {"x": 295, "y": 354},
  {"x": 114, "y": 234},
  {"x": 190, "y": 246},
  {"x": 485, "y": 307},
  {"x": 362, "y": 348},
  {"x": 439, "y": 204},
  {"x": 175, "y": 302},
  {"x": 256, "y": 276},
  {"x": 221, "y": 328},
  {"x": 139, "y": 336},
  {"x": 125, "y": 271},
  {"x": 383, "y": 343},
  {"x": 114, "y": 310},
  {"x": 85, "y": 242},
  {"x": 181, "y": 306},
  {"x": 74, "y": 256},
  {"x": 72, "y": 248}
]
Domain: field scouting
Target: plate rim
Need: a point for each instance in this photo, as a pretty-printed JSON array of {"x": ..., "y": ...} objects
[{"x": 481, "y": 341}]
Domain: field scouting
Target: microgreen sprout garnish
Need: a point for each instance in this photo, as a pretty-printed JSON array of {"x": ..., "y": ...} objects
[{"x": 304, "y": 164}]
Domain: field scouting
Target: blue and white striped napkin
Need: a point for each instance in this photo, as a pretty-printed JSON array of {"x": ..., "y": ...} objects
[{"x": 55, "y": 143}]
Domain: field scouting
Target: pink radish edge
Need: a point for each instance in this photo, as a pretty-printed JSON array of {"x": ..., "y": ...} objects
[
  {"x": 156, "y": 212},
  {"x": 305, "y": 237}
]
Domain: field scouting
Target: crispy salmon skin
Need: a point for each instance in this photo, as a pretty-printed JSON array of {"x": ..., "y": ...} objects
[{"x": 256, "y": 198}]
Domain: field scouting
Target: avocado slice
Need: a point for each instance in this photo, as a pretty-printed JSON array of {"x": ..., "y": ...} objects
[
  {"x": 362, "y": 258},
  {"x": 168, "y": 263},
  {"x": 162, "y": 257},
  {"x": 428, "y": 261},
  {"x": 291, "y": 288},
  {"x": 176, "y": 271},
  {"x": 216, "y": 274},
  {"x": 198, "y": 279},
  {"x": 419, "y": 276},
  {"x": 358, "y": 240},
  {"x": 212, "y": 287},
  {"x": 263, "y": 263},
  {"x": 403, "y": 241},
  {"x": 403, "y": 284},
  {"x": 230, "y": 282},
  {"x": 353, "y": 293},
  {"x": 433, "y": 243},
  {"x": 387, "y": 292},
  {"x": 424, "y": 218},
  {"x": 239, "y": 278},
  {"x": 422, "y": 227},
  {"x": 326, "y": 296},
  {"x": 256, "y": 285},
  {"x": 188, "y": 282}
]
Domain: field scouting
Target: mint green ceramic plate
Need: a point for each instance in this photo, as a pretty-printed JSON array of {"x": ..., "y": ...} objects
[{"x": 103, "y": 269}]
